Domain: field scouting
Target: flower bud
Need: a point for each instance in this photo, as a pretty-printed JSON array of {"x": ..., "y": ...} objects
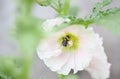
[{"x": 44, "y": 2}]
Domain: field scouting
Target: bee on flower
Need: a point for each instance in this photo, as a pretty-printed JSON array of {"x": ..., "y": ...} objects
[{"x": 74, "y": 48}]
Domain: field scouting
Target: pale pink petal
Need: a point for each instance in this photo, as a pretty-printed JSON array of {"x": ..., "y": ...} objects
[
  {"x": 67, "y": 67},
  {"x": 56, "y": 63},
  {"x": 46, "y": 51},
  {"x": 49, "y": 47},
  {"x": 78, "y": 61},
  {"x": 99, "y": 69},
  {"x": 81, "y": 60}
]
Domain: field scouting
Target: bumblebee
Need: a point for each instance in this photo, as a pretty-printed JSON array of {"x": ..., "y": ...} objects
[{"x": 65, "y": 41}]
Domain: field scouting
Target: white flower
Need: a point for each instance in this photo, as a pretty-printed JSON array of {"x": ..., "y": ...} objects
[
  {"x": 77, "y": 48},
  {"x": 48, "y": 25}
]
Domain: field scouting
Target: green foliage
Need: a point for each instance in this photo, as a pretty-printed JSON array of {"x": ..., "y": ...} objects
[
  {"x": 68, "y": 76},
  {"x": 71, "y": 77},
  {"x": 98, "y": 9},
  {"x": 44, "y": 2},
  {"x": 28, "y": 32},
  {"x": 10, "y": 67},
  {"x": 24, "y": 6},
  {"x": 84, "y": 22},
  {"x": 62, "y": 7},
  {"x": 109, "y": 18},
  {"x": 66, "y": 7}
]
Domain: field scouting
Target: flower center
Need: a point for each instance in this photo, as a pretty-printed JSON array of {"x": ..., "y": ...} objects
[
  {"x": 66, "y": 41},
  {"x": 69, "y": 41}
]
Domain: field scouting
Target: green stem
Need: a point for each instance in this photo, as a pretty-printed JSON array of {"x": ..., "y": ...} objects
[
  {"x": 66, "y": 7},
  {"x": 59, "y": 7},
  {"x": 54, "y": 7},
  {"x": 26, "y": 67},
  {"x": 28, "y": 6},
  {"x": 24, "y": 6},
  {"x": 27, "y": 56}
]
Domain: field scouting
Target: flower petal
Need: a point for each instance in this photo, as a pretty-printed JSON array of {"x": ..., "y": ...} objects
[
  {"x": 49, "y": 48},
  {"x": 55, "y": 63},
  {"x": 81, "y": 60},
  {"x": 99, "y": 68},
  {"x": 67, "y": 67},
  {"x": 78, "y": 61}
]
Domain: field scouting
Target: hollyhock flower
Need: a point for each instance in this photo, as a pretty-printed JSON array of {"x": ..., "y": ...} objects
[{"x": 75, "y": 48}]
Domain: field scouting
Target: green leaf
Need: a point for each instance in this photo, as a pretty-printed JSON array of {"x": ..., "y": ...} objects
[
  {"x": 66, "y": 7},
  {"x": 98, "y": 8},
  {"x": 44, "y": 2},
  {"x": 10, "y": 67},
  {"x": 80, "y": 21},
  {"x": 110, "y": 19}
]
